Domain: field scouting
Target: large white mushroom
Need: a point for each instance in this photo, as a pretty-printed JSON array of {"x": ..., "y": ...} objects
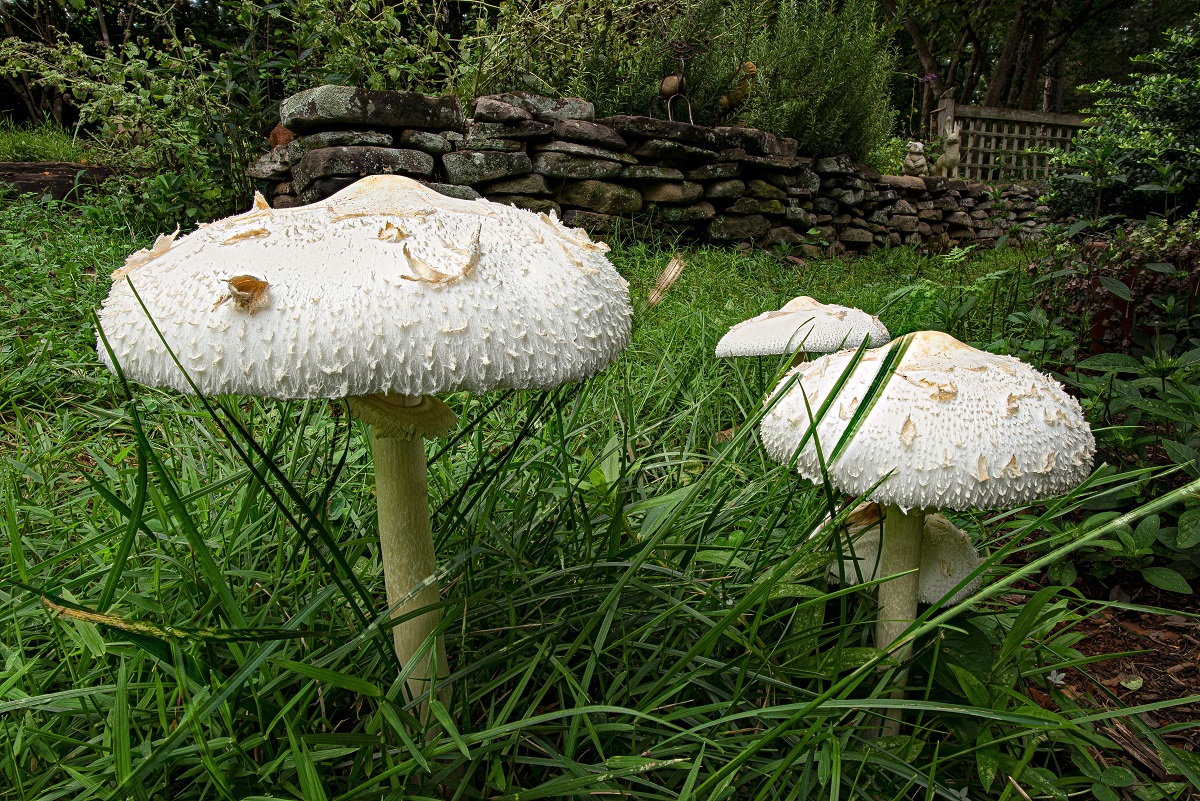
[
  {"x": 952, "y": 427},
  {"x": 803, "y": 325},
  {"x": 386, "y": 293}
]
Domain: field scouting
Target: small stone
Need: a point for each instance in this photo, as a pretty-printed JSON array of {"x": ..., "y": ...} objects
[
  {"x": 672, "y": 192},
  {"x": 324, "y": 187},
  {"x": 687, "y": 214},
  {"x": 285, "y": 202},
  {"x": 532, "y": 184},
  {"x": 764, "y": 191},
  {"x": 536, "y": 204},
  {"x": 733, "y": 228},
  {"x": 856, "y": 235},
  {"x": 731, "y": 188},
  {"x": 589, "y": 133},
  {"x": 727, "y": 169},
  {"x": 330, "y": 106},
  {"x": 748, "y": 205},
  {"x": 473, "y": 167},
  {"x": 564, "y": 165},
  {"x": 904, "y": 223},
  {"x": 280, "y": 136},
  {"x": 360, "y": 161},
  {"x": 782, "y": 235},
  {"x": 427, "y": 142},
  {"x": 847, "y": 197},
  {"x": 911, "y": 183},
  {"x": 825, "y": 205},
  {"x": 271, "y": 166},
  {"x": 837, "y": 165},
  {"x": 804, "y": 178},
  {"x": 960, "y": 218},
  {"x": 602, "y": 197},
  {"x": 452, "y": 190},
  {"x": 549, "y": 109},
  {"x": 798, "y": 216},
  {"x": 946, "y": 204},
  {"x": 587, "y": 151},
  {"x": 645, "y": 172},
  {"x": 489, "y": 109},
  {"x": 590, "y": 221},
  {"x": 903, "y": 207}
]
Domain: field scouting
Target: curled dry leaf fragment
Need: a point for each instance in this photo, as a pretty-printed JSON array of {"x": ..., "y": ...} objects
[
  {"x": 249, "y": 294},
  {"x": 669, "y": 276}
]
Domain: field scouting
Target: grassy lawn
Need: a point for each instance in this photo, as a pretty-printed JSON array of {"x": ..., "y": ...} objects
[{"x": 632, "y": 603}]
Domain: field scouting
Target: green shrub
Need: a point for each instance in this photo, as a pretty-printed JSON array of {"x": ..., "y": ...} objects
[
  {"x": 822, "y": 71},
  {"x": 1143, "y": 154}
]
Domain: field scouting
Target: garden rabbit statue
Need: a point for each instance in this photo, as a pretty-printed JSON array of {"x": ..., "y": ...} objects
[
  {"x": 947, "y": 163},
  {"x": 914, "y": 159}
]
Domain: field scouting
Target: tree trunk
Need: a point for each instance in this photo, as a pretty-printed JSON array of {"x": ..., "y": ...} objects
[
  {"x": 1008, "y": 56},
  {"x": 1052, "y": 94},
  {"x": 1033, "y": 70}
]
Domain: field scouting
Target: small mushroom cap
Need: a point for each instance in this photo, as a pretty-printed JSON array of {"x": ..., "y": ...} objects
[
  {"x": 385, "y": 287},
  {"x": 952, "y": 428},
  {"x": 947, "y": 557},
  {"x": 803, "y": 324}
]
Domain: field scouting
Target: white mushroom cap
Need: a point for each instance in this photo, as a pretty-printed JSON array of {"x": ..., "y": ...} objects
[
  {"x": 385, "y": 287},
  {"x": 955, "y": 427},
  {"x": 803, "y": 324},
  {"x": 947, "y": 557}
]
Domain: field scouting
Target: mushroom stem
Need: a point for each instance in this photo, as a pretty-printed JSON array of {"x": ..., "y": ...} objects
[
  {"x": 406, "y": 547},
  {"x": 400, "y": 425},
  {"x": 899, "y": 553}
]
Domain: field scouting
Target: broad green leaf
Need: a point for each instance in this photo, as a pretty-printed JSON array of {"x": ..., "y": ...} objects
[
  {"x": 1112, "y": 363},
  {"x": 1188, "y": 533},
  {"x": 1118, "y": 777},
  {"x": 1166, "y": 579}
]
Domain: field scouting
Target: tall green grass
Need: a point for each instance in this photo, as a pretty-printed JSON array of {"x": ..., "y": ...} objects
[
  {"x": 634, "y": 598},
  {"x": 40, "y": 142}
]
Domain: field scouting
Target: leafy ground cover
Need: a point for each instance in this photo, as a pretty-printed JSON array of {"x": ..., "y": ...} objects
[{"x": 633, "y": 603}]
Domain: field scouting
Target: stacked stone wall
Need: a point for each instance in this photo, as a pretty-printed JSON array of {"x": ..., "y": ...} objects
[{"x": 722, "y": 184}]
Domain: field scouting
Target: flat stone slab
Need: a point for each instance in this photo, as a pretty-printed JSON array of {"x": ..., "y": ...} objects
[
  {"x": 324, "y": 187},
  {"x": 699, "y": 212},
  {"x": 730, "y": 188},
  {"x": 532, "y": 184},
  {"x": 770, "y": 162},
  {"x": 749, "y": 205},
  {"x": 644, "y": 172},
  {"x": 671, "y": 151},
  {"x": 333, "y": 106},
  {"x": 542, "y": 205},
  {"x": 476, "y": 167},
  {"x": 655, "y": 128},
  {"x": 358, "y": 162},
  {"x": 727, "y": 169},
  {"x": 732, "y": 228},
  {"x": 835, "y": 165},
  {"x": 527, "y": 129},
  {"x": 754, "y": 141},
  {"x": 548, "y": 109},
  {"x": 601, "y": 197},
  {"x": 673, "y": 192},
  {"x": 586, "y": 151},
  {"x": 589, "y": 133},
  {"x": 453, "y": 190},
  {"x": 590, "y": 221},
  {"x": 302, "y": 144},
  {"x": 764, "y": 191},
  {"x": 564, "y": 165},
  {"x": 499, "y": 145},
  {"x": 489, "y": 109},
  {"x": 431, "y": 143}
]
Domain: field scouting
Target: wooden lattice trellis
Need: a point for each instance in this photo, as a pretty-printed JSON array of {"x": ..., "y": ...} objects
[{"x": 999, "y": 144}]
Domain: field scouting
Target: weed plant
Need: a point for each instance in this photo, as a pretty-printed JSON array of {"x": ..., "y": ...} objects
[
  {"x": 634, "y": 594},
  {"x": 44, "y": 142}
]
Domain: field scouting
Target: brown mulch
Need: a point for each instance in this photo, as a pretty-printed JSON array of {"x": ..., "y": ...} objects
[{"x": 1163, "y": 664}]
